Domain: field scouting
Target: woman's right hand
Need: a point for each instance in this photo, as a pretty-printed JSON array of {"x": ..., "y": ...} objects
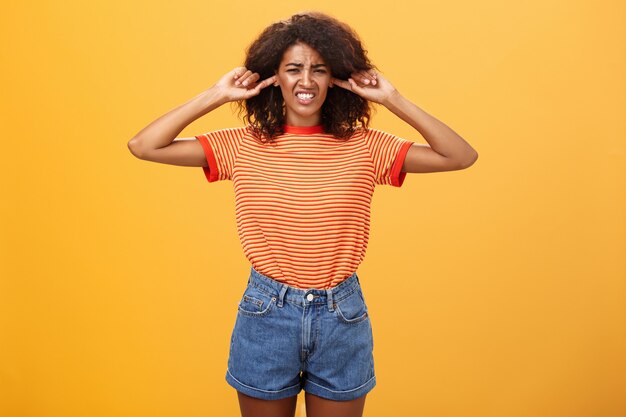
[{"x": 241, "y": 84}]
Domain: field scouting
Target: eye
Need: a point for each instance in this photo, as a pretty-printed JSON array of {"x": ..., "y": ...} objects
[{"x": 292, "y": 70}]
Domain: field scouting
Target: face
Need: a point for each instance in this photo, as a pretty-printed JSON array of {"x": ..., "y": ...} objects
[{"x": 304, "y": 79}]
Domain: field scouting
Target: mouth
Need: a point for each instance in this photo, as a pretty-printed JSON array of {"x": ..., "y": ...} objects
[{"x": 305, "y": 97}]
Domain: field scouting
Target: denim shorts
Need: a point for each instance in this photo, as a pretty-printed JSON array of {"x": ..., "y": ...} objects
[{"x": 287, "y": 339}]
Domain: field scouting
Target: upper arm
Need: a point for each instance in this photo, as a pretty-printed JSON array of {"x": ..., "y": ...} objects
[
  {"x": 182, "y": 151},
  {"x": 422, "y": 158}
]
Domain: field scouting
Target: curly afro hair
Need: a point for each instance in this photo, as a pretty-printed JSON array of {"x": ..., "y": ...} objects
[{"x": 341, "y": 49}]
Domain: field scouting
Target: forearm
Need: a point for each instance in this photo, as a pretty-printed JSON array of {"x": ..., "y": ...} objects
[
  {"x": 439, "y": 136},
  {"x": 166, "y": 128}
]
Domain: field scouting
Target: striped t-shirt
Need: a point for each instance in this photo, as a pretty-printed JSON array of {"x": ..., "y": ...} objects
[{"x": 302, "y": 203}]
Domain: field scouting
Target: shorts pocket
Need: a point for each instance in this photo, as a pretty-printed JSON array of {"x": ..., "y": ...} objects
[
  {"x": 256, "y": 302},
  {"x": 352, "y": 309}
]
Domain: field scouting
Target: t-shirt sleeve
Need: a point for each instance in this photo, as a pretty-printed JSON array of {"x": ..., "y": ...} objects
[
  {"x": 388, "y": 152},
  {"x": 220, "y": 149}
]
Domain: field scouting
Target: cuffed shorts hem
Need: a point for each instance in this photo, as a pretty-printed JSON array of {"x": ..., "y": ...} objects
[
  {"x": 260, "y": 393},
  {"x": 316, "y": 389}
]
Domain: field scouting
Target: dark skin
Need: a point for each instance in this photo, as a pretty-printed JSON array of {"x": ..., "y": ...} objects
[
  {"x": 246, "y": 86},
  {"x": 312, "y": 76},
  {"x": 315, "y": 406}
]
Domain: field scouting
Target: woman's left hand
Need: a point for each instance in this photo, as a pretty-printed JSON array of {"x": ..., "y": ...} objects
[{"x": 370, "y": 85}]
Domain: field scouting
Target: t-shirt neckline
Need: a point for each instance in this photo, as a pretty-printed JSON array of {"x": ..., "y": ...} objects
[{"x": 303, "y": 129}]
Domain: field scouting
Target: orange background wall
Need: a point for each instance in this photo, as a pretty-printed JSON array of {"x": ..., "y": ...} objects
[{"x": 494, "y": 291}]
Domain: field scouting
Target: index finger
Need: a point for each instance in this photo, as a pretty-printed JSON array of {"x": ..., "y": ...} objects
[{"x": 268, "y": 81}]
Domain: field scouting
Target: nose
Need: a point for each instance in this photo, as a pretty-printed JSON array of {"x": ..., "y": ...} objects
[{"x": 306, "y": 79}]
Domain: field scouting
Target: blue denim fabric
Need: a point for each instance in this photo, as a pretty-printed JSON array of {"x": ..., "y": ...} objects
[{"x": 287, "y": 339}]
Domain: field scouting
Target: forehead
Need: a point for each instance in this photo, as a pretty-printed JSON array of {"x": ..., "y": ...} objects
[{"x": 302, "y": 54}]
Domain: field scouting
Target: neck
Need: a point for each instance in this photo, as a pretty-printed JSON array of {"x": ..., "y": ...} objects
[{"x": 292, "y": 119}]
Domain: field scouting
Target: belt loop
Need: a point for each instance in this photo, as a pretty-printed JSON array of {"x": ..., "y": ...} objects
[
  {"x": 281, "y": 295},
  {"x": 329, "y": 298}
]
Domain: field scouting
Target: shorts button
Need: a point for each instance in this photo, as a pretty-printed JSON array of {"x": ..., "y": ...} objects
[{"x": 309, "y": 297}]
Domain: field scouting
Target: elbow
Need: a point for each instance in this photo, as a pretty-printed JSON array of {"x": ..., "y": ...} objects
[
  {"x": 470, "y": 160},
  {"x": 134, "y": 146}
]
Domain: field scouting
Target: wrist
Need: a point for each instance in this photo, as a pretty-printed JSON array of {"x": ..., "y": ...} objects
[
  {"x": 214, "y": 97},
  {"x": 392, "y": 98}
]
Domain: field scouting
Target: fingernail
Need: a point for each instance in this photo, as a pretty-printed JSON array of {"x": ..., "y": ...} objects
[
  {"x": 245, "y": 83},
  {"x": 237, "y": 82}
]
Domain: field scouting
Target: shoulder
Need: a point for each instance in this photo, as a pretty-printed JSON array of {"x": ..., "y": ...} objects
[
  {"x": 372, "y": 134},
  {"x": 231, "y": 133}
]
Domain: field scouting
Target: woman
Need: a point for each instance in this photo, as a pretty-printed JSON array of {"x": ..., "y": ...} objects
[{"x": 304, "y": 170}]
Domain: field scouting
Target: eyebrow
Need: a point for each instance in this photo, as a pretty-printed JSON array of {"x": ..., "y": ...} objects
[{"x": 301, "y": 65}]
